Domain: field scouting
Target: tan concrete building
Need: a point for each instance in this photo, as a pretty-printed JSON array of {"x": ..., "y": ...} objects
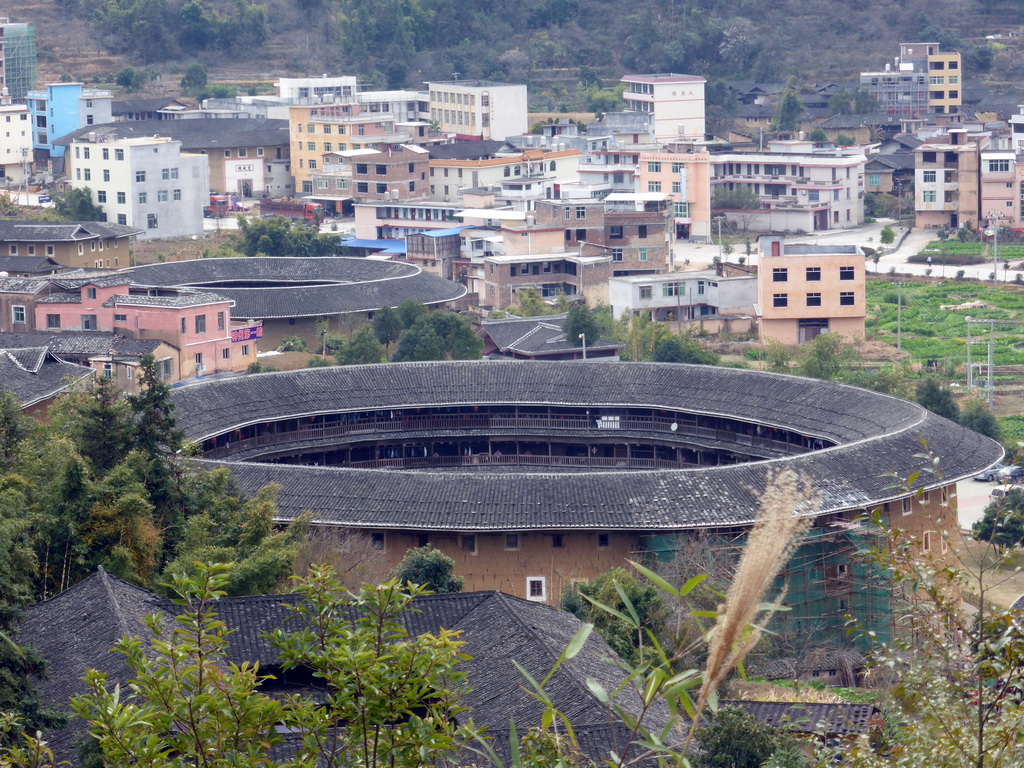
[
  {"x": 924, "y": 80},
  {"x": 367, "y": 175},
  {"x": 946, "y": 180},
  {"x": 318, "y": 130},
  {"x": 805, "y": 290},
  {"x": 539, "y": 170},
  {"x": 684, "y": 172}
]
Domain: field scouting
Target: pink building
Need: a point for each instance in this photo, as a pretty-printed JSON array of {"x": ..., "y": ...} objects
[{"x": 197, "y": 323}]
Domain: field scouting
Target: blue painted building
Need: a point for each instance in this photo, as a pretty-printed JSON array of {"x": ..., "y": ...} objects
[{"x": 61, "y": 109}]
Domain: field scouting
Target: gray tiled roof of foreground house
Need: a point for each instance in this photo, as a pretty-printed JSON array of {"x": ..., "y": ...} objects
[
  {"x": 820, "y": 719},
  {"x": 77, "y": 629},
  {"x": 181, "y": 300},
  {"x": 872, "y": 434},
  {"x": 34, "y": 374},
  {"x": 81, "y": 343},
  {"x": 193, "y": 134},
  {"x": 33, "y": 265},
  {"x": 62, "y": 231},
  {"x": 538, "y": 336},
  {"x": 344, "y": 284},
  {"x": 897, "y": 161}
]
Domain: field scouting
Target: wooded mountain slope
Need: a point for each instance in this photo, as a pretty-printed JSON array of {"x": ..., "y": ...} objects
[{"x": 401, "y": 42}]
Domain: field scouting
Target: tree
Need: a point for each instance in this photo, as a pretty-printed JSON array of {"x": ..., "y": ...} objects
[
  {"x": 976, "y": 416},
  {"x": 743, "y": 198},
  {"x": 14, "y": 428},
  {"x": 818, "y": 135},
  {"x": 293, "y": 344},
  {"x": 429, "y": 568},
  {"x": 643, "y": 597},
  {"x": 18, "y": 565},
  {"x": 579, "y": 322},
  {"x": 828, "y": 356},
  {"x": 679, "y": 349},
  {"x": 530, "y": 304},
  {"x": 194, "y": 78},
  {"x": 387, "y": 327},
  {"x": 887, "y": 235},
  {"x": 438, "y": 336},
  {"x": 789, "y": 110},
  {"x": 131, "y": 79},
  {"x": 362, "y": 349},
  {"x": 419, "y": 343},
  {"x": 845, "y": 140},
  {"x": 1003, "y": 521},
  {"x": 100, "y": 423},
  {"x": 77, "y": 205},
  {"x": 411, "y": 312},
  {"x": 241, "y": 533},
  {"x": 734, "y": 739},
  {"x": 841, "y": 103},
  {"x": 156, "y": 433},
  {"x": 937, "y": 399}
]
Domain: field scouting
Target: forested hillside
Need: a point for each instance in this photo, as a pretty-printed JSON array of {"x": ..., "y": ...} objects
[{"x": 401, "y": 42}]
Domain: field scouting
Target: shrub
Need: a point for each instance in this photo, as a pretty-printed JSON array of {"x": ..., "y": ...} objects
[{"x": 293, "y": 344}]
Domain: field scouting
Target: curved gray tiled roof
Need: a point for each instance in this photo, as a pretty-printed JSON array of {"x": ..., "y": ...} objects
[
  {"x": 874, "y": 434},
  {"x": 355, "y": 285}
]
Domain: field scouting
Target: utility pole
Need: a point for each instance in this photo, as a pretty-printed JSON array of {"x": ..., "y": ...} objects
[
  {"x": 583, "y": 336},
  {"x": 899, "y": 315},
  {"x": 719, "y": 220},
  {"x": 994, "y": 232}
]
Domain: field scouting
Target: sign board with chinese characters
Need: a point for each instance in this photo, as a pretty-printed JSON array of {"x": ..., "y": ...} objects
[{"x": 247, "y": 334}]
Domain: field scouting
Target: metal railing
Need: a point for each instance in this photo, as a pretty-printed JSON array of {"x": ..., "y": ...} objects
[{"x": 596, "y": 424}]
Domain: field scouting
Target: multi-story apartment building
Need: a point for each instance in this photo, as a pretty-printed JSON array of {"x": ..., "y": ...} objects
[
  {"x": 148, "y": 184},
  {"x": 325, "y": 128},
  {"x": 548, "y": 274},
  {"x": 17, "y": 59},
  {"x": 805, "y": 290},
  {"x": 478, "y": 108},
  {"x": 367, "y": 175},
  {"x": 947, "y": 180},
  {"x": 675, "y": 101},
  {"x": 523, "y": 177},
  {"x": 800, "y": 188},
  {"x": 923, "y": 80},
  {"x": 15, "y": 143},
  {"x": 634, "y": 230},
  {"x": 393, "y": 221},
  {"x": 1002, "y": 183},
  {"x": 61, "y": 109},
  {"x": 685, "y": 174}
]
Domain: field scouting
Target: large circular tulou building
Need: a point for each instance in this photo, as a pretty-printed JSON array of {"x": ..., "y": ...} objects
[
  {"x": 535, "y": 475},
  {"x": 290, "y": 295}
]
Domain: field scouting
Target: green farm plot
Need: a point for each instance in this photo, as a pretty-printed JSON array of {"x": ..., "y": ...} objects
[
  {"x": 956, "y": 253},
  {"x": 932, "y": 333}
]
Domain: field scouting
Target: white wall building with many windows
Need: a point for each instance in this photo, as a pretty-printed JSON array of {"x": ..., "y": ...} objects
[
  {"x": 478, "y": 108},
  {"x": 145, "y": 183}
]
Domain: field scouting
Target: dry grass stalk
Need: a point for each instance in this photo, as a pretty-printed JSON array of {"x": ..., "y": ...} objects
[
  {"x": 788, "y": 505},
  {"x": 768, "y": 692}
]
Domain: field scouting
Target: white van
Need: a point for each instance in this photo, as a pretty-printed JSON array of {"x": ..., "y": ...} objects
[{"x": 999, "y": 492}]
